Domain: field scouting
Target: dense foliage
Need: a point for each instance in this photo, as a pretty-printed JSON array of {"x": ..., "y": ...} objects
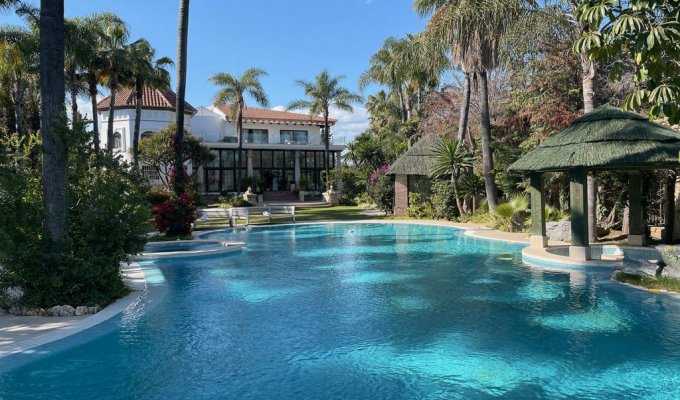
[{"x": 103, "y": 227}]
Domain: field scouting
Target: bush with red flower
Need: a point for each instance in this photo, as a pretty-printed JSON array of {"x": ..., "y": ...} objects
[
  {"x": 381, "y": 188},
  {"x": 175, "y": 216}
]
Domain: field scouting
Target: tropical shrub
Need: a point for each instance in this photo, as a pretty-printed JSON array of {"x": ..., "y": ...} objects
[
  {"x": 106, "y": 222},
  {"x": 512, "y": 215},
  {"x": 228, "y": 200},
  {"x": 381, "y": 189},
  {"x": 439, "y": 204},
  {"x": 157, "y": 195}
]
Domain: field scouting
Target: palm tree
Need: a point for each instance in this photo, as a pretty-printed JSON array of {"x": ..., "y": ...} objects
[
  {"x": 114, "y": 55},
  {"x": 18, "y": 66},
  {"x": 182, "y": 43},
  {"x": 449, "y": 160},
  {"x": 471, "y": 187},
  {"x": 52, "y": 96},
  {"x": 145, "y": 73},
  {"x": 473, "y": 31},
  {"x": 322, "y": 94},
  {"x": 386, "y": 69},
  {"x": 80, "y": 45},
  {"x": 232, "y": 94}
]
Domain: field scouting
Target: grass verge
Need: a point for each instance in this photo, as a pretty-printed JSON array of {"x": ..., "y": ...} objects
[{"x": 661, "y": 283}]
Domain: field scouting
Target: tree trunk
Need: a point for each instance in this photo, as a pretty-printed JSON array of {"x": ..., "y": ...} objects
[
  {"x": 402, "y": 104},
  {"x": 464, "y": 111},
  {"x": 52, "y": 113},
  {"x": 239, "y": 133},
  {"x": 327, "y": 141},
  {"x": 455, "y": 194},
  {"x": 112, "y": 104},
  {"x": 588, "y": 75},
  {"x": 487, "y": 152},
  {"x": 182, "y": 35},
  {"x": 669, "y": 210},
  {"x": 74, "y": 94},
  {"x": 17, "y": 100},
  {"x": 95, "y": 115},
  {"x": 139, "y": 91},
  {"x": 409, "y": 104}
]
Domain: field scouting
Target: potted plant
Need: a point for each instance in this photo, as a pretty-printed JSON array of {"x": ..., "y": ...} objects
[
  {"x": 303, "y": 187},
  {"x": 260, "y": 185}
]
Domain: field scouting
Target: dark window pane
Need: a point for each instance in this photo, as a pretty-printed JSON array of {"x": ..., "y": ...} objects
[
  {"x": 228, "y": 180},
  {"x": 215, "y": 163},
  {"x": 310, "y": 159},
  {"x": 290, "y": 159},
  {"x": 319, "y": 159},
  {"x": 212, "y": 180},
  {"x": 278, "y": 159},
  {"x": 228, "y": 158},
  {"x": 266, "y": 159},
  {"x": 256, "y": 159}
]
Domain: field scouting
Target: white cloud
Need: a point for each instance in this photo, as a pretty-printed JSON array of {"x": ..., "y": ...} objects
[{"x": 349, "y": 125}]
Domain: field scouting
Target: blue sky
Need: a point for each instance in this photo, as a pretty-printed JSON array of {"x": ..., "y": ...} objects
[{"x": 290, "y": 39}]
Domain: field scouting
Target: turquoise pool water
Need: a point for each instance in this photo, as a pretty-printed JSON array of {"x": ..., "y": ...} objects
[{"x": 373, "y": 311}]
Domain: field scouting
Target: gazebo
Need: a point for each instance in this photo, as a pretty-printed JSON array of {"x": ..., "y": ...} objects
[
  {"x": 604, "y": 139},
  {"x": 416, "y": 162}
]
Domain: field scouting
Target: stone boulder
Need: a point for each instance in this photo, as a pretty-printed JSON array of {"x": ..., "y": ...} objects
[
  {"x": 81, "y": 310},
  {"x": 559, "y": 231},
  {"x": 94, "y": 310}
]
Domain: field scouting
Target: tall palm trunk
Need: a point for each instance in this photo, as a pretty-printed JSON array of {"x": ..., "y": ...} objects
[
  {"x": 589, "y": 73},
  {"x": 327, "y": 136},
  {"x": 402, "y": 104},
  {"x": 487, "y": 154},
  {"x": 464, "y": 111},
  {"x": 239, "y": 127},
  {"x": 95, "y": 115},
  {"x": 52, "y": 110},
  {"x": 17, "y": 100},
  {"x": 73, "y": 89},
  {"x": 112, "y": 104},
  {"x": 139, "y": 91},
  {"x": 182, "y": 35}
]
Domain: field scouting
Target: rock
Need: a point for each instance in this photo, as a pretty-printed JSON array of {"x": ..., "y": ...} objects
[
  {"x": 640, "y": 267},
  {"x": 81, "y": 310},
  {"x": 17, "y": 310},
  {"x": 94, "y": 310},
  {"x": 560, "y": 231},
  {"x": 55, "y": 311},
  {"x": 67, "y": 311},
  {"x": 670, "y": 272}
]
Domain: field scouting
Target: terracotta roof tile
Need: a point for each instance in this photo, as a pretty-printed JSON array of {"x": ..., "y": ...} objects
[
  {"x": 159, "y": 99},
  {"x": 252, "y": 114}
]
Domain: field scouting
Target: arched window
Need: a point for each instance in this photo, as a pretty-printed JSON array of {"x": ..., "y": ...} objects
[
  {"x": 146, "y": 134},
  {"x": 117, "y": 140}
]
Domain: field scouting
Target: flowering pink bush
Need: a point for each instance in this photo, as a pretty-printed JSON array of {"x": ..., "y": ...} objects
[{"x": 376, "y": 174}]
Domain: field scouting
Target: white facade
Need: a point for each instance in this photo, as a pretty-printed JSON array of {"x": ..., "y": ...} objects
[
  {"x": 300, "y": 143},
  {"x": 124, "y": 127}
]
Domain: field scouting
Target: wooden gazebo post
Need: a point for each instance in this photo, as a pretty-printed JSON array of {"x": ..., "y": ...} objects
[
  {"x": 578, "y": 204},
  {"x": 538, "y": 236},
  {"x": 636, "y": 227}
]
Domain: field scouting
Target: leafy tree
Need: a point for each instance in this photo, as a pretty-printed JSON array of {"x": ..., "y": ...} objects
[
  {"x": 322, "y": 94},
  {"x": 473, "y": 31},
  {"x": 18, "y": 67},
  {"x": 232, "y": 92},
  {"x": 158, "y": 151},
  {"x": 642, "y": 34}
]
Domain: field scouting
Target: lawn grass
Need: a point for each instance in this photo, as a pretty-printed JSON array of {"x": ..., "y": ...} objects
[
  {"x": 661, "y": 283},
  {"x": 311, "y": 214}
]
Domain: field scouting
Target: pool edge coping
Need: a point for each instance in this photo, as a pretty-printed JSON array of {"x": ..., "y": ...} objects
[{"x": 134, "y": 277}]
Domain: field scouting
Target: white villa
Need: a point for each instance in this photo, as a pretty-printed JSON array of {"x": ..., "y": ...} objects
[{"x": 282, "y": 147}]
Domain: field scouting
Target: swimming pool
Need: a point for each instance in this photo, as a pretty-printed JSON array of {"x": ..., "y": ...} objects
[{"x": 365, "y": 311}]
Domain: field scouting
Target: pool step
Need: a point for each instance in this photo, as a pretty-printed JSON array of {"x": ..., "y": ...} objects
[{"x": 612, "y": 257}]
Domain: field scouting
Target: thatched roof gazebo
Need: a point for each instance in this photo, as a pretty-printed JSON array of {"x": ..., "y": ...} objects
[
  {"x": 604, "y": 139},
  {"x": 417, "y": 161}
]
